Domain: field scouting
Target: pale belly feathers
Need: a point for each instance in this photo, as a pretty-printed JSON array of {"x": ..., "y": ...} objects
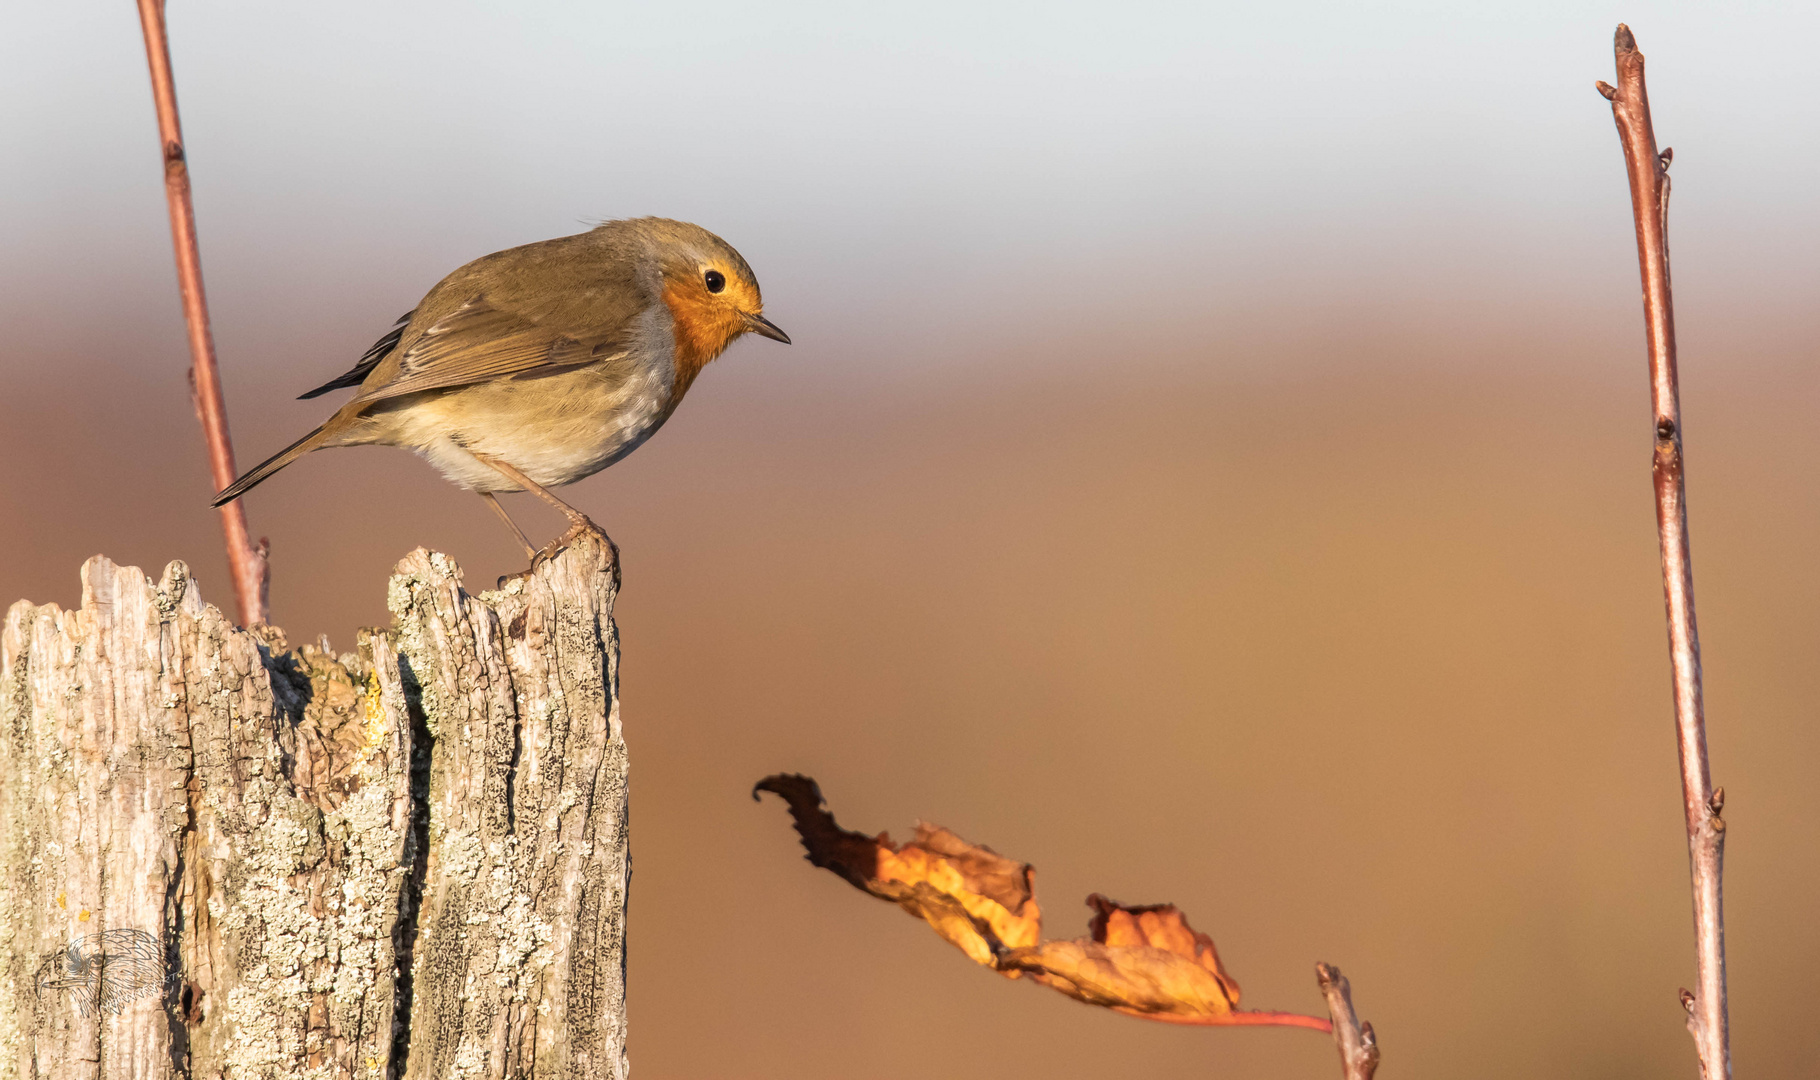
[{"x": 556, "y": 429}]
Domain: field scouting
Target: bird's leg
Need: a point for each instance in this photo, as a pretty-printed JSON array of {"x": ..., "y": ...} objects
[
  {"x": 493, "y": 501},
  {"x": 510, "y": 472},
  {"x": 578, "y": 521}
]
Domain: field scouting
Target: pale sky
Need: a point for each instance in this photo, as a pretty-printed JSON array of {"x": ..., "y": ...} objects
[{"x": 921, "y": 180}]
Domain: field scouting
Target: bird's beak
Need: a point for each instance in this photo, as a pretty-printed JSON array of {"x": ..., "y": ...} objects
[{"x": 758, "y": 324}]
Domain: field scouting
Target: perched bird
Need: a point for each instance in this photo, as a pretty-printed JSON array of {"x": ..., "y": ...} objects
[{"x": 537, "y": 366}]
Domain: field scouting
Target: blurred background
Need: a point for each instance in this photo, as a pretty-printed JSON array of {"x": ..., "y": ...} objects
[{"x": 1213, "y": 465}]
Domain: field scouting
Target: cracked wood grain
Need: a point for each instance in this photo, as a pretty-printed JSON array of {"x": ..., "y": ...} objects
[{"x": 406, "y": 860}]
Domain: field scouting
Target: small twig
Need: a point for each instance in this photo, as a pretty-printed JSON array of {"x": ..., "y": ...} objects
[
  {"x": 1239, "y": 1018},
  {"x": 1706, "y": 1009},
  {"x": 246, "y": 562},
  {"x": 1357, "y": 1042}
]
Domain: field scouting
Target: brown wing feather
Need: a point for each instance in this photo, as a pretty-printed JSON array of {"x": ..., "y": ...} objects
[
  {"x": 522, "y": 312},
  {"x": 476, "y": 343},
  {"x": 367, "y": 362}
]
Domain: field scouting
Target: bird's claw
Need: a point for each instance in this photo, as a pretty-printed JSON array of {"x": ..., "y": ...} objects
[{"x": 583, "y": 527}]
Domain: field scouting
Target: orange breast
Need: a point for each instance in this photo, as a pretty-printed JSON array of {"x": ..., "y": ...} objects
[{"x": 703, "y": 331}]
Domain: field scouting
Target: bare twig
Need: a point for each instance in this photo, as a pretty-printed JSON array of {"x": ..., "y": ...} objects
[
  {"x": 246, "y": 562},
  {"x": 1706, "y": 1008},
  {"x": 1357, "y": 1042},
  {"x": 1240, "y": 1018}
]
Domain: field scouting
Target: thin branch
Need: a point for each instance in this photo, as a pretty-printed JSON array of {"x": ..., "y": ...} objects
[
  {"x": 1357, "y": 1042},
  {"x": 246, "y": 562},
  {"x": 1238, "y": 1018},
  {"x": 1706, "y": 1009}
]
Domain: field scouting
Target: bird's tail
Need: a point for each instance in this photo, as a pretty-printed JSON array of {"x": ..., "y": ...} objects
[{"x": 270, "y": 465}]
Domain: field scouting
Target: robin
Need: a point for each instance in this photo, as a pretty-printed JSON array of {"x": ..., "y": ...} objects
[{"x": 537, "y": 366}]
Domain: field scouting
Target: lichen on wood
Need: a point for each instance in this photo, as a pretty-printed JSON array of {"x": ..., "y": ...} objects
[{"x": 408, "y": 860}]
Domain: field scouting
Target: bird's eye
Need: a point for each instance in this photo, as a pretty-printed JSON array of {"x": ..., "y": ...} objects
[{"x": 715, "y": 279}]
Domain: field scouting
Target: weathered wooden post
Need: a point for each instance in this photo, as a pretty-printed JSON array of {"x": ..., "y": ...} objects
[{"x": 220, "y": 857}]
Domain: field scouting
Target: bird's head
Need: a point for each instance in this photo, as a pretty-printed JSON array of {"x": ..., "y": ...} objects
[{"x": 710, "y": 290}]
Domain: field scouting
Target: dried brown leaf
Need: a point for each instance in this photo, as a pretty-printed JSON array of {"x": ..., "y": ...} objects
[
  {"x": 972, "y": 896},
  {"x": 1143, "y": 961}
]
